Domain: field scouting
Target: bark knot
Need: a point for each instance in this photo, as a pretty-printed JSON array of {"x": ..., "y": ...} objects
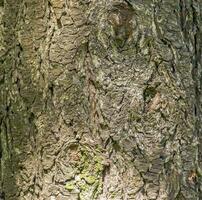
[{"x": 121, "y": 18}]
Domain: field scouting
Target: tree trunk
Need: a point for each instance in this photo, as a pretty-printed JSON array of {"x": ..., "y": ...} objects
[{"x": 100, "y": 100}]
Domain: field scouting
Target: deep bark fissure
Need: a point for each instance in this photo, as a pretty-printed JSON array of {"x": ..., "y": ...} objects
[{"x": 100, "y": 100}]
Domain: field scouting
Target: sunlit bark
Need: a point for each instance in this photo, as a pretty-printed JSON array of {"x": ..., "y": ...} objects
[{"x": 100, "y": 100}]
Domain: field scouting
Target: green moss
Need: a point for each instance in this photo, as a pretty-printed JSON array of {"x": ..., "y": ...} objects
[
  {"x": 90, "y": 179},
  {"x": 70, "y": 186},
  {"x": 82, "y": 185},
  {"x": 88, "y": 170}
]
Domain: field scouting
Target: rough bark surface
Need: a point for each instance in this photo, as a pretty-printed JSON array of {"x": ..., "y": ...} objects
[{"x": 100, "y": 100}]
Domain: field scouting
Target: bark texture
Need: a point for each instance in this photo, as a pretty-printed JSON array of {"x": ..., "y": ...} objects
[{"x": 100, "y": 100}]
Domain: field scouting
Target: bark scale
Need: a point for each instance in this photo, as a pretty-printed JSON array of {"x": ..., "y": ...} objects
[{"x": 100, "y": 100}]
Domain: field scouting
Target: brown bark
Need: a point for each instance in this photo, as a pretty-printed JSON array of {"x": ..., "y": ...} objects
[{"x": 100, "y": 100}]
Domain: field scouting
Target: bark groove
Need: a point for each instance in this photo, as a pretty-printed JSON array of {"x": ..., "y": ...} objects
[{"x": 100, "y": 100}]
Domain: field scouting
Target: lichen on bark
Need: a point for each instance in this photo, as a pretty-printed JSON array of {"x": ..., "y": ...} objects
[{"x": 100, "y": 100}]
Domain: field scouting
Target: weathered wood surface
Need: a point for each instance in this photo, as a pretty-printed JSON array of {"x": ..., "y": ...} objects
[{"x": 100, "y": 100}]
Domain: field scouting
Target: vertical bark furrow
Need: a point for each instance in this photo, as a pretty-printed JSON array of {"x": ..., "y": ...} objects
[{"x": 100, "y": 100}]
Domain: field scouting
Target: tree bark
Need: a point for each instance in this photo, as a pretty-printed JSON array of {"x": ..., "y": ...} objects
[{"x": 100, "y": 100}]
